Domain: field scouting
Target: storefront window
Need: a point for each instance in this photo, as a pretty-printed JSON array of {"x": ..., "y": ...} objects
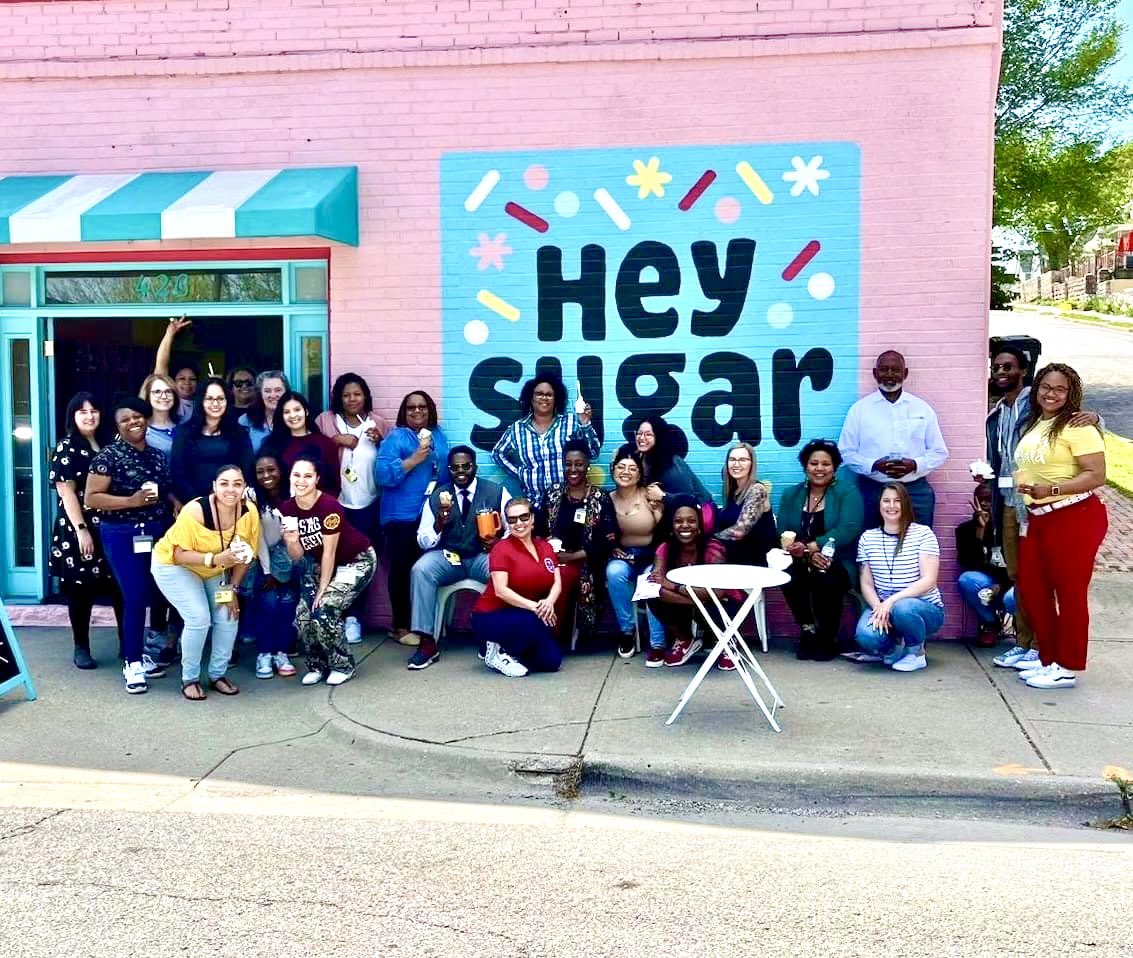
[
  {"x": 157, "y": 286},
  {"x": 310, "y": 284},
  {"x": 22, "y": 446},
  {"x": 312, "y": 369},
  {"x": 15, "y": 290}
]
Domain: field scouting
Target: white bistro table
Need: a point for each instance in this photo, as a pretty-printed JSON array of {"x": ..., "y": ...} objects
[{"x": 753, "y": 580}]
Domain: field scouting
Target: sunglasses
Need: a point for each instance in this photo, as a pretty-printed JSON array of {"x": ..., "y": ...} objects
[
  {"x": 518, "y": 518},
  {"x": 243, "y": 383}
]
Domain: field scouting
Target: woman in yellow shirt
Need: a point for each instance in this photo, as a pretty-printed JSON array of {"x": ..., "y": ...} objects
[
  {"x": 197, "y": 565},
  {"x": 1058, "y": 468}
]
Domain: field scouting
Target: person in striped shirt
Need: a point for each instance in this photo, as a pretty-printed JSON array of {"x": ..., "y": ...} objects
[
  {"x": 531, "y": 448},
  {"x": 899, "y": 562}
]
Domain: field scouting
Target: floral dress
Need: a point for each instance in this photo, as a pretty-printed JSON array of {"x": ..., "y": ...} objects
[
  {"x": 71, "y": 463},
  {"x": 595, "y": 536}
]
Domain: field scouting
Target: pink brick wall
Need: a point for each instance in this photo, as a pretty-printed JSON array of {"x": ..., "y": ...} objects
[{"x": 918, "y": 103}]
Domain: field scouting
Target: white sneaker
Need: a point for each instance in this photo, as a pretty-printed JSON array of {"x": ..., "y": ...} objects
[
  {"x": 353, "y": 631},
  {"x": 910, "y": 663},
  {"x": 1007, "y": 660},
  {"x": 503, "y": 663},
  {"x": 311, "y": 678},
  {"x": 1054, "y": 676},
  {"x": 283, "y": 665},
  {"x": 1029, "y": 660},
  {"x": 135, "y": 677},
  {"x": 263, "y": 666},
  {"x": 152, "y": 669},
  {"x": 337, "y": 678},
  {"x": 1026, "y": 674}
]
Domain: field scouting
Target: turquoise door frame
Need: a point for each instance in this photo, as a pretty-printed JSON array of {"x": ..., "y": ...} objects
[{"x": 30, "y": 326}]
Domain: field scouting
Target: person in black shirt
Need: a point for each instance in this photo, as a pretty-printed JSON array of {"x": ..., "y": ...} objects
[{"x": 984, "y": 581}]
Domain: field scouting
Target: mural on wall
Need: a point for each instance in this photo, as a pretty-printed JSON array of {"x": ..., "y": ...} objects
[{"x": 716, "y": 285}]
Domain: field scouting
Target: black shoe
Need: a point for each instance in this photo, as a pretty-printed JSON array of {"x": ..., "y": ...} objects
[
  {"x": 83, "y": 660},
  {"x": 824, "y": 652},
  {"x": 627, "y": 645},
  {"x": 167, "y": 657},
  {"x": 808, "y": 644}
]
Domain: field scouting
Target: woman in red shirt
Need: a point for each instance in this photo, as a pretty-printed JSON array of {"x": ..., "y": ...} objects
[{"x": 514, "y": 620}]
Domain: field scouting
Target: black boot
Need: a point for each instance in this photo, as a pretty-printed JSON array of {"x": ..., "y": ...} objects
[{"x": 807, "y": 644}]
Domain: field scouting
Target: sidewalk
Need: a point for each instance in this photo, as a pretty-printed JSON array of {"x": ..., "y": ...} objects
[
  {"x": 1087, "y": 315},
  {"x": 961, "y": 728}
]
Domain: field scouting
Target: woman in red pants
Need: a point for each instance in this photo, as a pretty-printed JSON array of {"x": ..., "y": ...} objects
[{"x": 1058, "y": 468}]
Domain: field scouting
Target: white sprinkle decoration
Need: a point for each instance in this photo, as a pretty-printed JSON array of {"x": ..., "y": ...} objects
[
  {"x": 603, "y": 198},
  {"x": 488, "y": 182}
]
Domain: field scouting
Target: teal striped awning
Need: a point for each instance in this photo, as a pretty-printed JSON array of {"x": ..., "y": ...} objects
[{"x": 226, "y": 204}]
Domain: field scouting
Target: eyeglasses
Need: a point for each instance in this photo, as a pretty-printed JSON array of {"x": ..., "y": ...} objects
[
  {"x": 216, "y": 399},
  {"x": 643, "y": 434},
  {"x": 518, "y": 518},
  {"x": 160, "y": 393},
  {"x": 1056, "y": 390},
  {"x": 243, "y": 383},
  {"x": 417, "y": 408},
  {"x": 543, "y": 395},
  {"x": 461, "y": 467},
  {"x": 1005, "y": 367},
  {"x": 626, "y": 467}
]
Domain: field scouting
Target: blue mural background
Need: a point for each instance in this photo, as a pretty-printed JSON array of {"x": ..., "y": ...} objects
[{"x": 499, "y": 209}]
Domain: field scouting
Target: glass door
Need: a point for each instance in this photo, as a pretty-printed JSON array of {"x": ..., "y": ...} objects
[{"x": 24, "y": 448}]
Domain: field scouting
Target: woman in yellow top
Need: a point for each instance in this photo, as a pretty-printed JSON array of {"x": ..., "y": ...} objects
[
  {"x": 198, "y": 564},
  {"x": 1058, "y": 468}
]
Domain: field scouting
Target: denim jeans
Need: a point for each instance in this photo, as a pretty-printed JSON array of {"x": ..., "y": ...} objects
[
  {"x": 1010, "y": 606},
  {"x": 195, "y": 599},
  {"x": 132, "y": 573},
  {"x": 621, "y": 581},
  {"x": 271, "y": 616},
  {"x": 911, "y": 622},
  {"x": 970, "y": 584}
]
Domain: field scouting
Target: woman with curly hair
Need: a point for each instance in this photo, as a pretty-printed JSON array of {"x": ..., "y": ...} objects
[{"x": 1058, "y": 468}]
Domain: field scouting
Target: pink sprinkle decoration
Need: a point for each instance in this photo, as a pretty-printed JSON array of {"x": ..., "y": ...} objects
[
  {"x": 527, "y": 218},
  {"x": 798, "y": 264},
  {"x": 697, "y": 190}
]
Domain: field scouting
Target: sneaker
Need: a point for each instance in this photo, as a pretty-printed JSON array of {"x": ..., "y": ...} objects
[
  {"x": 654, "y": 658},
  {"x": 424, "y": 655},
  {"x": 337, "y": 678},
  {"x": 152, "y": 669},
  {"x": 910, "y": 663},
  {"x": 264, "y": 668},
  {"x": 682, "y": 651},
  {"x": 627, "y": 645},
  {"x": 353, "y": 631},
  {"x": 167, "y": 656},
  {"x": 153, "y": 642},
  {"x": 83, "y": 659},
  {"x": 283, "y": 665},
  {"x": 1007, "y": 660},
  {"x": 894, "y": 655},
  {"x": 1039, "y": 668},
  {"x": 313, "y": 677},
  {"x": 135, "y": 677},
  {"x": 1029, "y": 660},
  {"x": 503, "y": 663},
  {"x": 861, "y": 658},
  {"x": 725, "y": 664},
  {"x": 1054, "y": 676}
]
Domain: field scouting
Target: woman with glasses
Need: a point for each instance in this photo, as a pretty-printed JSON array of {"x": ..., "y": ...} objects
[
  {"x": 293, "y": 434},
  {"x": 821, "y": 512},
  {"x": 161, "y": 393},
  {"x": 746, "y": 524},
  {"x": 531, "y": 448},
  {"x": 666, "y": 473},
  {"x": 632, "y": 554},
  {"x": 411, "y": 457},
  {"x": 514, "y": 620},
  {"x": 242, "y": 382},
  {"x": 208, "y": 439},
  {"x": 1059, "y": 468},
  {"x": 271, "y": 384}
]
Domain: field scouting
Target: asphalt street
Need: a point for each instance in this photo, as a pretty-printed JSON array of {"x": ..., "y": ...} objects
[{"x": 1103, "y": 358}]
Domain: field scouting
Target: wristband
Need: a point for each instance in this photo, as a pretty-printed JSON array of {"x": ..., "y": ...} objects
[{"x": 81, "y": 525}]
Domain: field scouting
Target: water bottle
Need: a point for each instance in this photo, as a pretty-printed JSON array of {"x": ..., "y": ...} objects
[{"x": 828, "y": 550}]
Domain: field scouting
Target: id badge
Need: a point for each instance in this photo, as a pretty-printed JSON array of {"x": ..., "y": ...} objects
[
  {"x": 349, "y": 474},
  {"x": 430, "y": 487},
  {"x": 348, "y": 574},
  {"x": 143, "y": 544},
  {"x": 1006, "y": 482},
  {"x": 580, "y": 516},
  {"x": 452, "y": 557},
  {"x": 224, "y": 595}
]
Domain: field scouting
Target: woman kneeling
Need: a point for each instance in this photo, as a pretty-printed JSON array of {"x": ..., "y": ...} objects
[{"x": 900, "y": 562}]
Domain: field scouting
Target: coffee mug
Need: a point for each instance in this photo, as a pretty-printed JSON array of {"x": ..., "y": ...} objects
[{"x": 488, "y": 523}]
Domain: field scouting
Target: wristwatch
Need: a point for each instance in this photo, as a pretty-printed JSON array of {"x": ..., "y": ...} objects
[
  {"x": 1055, "y": 491},
  {"x": 81, "y": 525}
]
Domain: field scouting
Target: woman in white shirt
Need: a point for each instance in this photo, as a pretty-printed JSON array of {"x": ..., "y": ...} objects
[{"x": 900, "y": 562}]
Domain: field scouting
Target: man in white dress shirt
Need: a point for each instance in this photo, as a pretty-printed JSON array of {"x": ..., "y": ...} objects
[{"x": 893, "y": 436}]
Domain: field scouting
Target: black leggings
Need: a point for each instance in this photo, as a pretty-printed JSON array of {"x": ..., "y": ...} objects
[
  {"x": 80, "y": 605},
  {"x": 401, "y": 552}
]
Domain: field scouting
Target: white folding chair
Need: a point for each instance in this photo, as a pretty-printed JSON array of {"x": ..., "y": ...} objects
[{"x": 445, "y": 606}]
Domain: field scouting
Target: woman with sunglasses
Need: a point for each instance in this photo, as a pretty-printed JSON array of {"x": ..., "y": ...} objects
[
  {"x": 208, "y": 439},
  {"x": 821, "y": 512},
  {"x": 514, "y": 619},
  {"x": 1059, "y": 468},
  {"x": 411, "y": 457}
]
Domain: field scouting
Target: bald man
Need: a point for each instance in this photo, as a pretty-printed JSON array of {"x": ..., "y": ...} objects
[{"x": 893, "y": 436}]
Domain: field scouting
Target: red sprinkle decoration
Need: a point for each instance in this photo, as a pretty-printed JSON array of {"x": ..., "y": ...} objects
[
  {"x": 527, "y": 218},
  {"x": 798, "y": 264},
  {"x": 698, "y": 188}
]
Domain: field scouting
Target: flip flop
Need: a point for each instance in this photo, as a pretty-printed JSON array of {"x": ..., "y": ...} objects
[
  {"x": 224, "y": 686},
  {"x": 193, "y": 698}
]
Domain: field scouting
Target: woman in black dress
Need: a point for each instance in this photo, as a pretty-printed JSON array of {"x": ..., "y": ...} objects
[
  {"x": 210, "y": 438},
  {"x": 76, "y": 552}
]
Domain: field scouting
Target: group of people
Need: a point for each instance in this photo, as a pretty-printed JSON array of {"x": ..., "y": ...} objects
[{"x": 222, "y": 503}]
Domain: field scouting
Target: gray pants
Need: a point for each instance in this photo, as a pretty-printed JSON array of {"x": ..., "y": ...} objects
[{"x": 430, "y": 573}]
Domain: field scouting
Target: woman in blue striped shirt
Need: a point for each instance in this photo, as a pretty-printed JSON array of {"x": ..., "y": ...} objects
[
  {"x": 531, "y": 448},
  {"x": 900, "y": 562}
]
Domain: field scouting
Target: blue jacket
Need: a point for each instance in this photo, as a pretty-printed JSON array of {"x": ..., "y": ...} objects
[{"x": 403, "y": 493}]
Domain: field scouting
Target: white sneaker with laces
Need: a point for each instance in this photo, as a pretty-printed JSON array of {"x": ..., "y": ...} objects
[
  {"x": 337, "y": 678},
  {"x": 152, "y": 669},
  {"x": 311, "y": 678},
  {"x": 1025, "y": 674},
  {"x": 1054, "y": 676},
  {"x": 353, "y": 631},
  {"x": 283, "y": 665},
  {"x": 503, "y": 663},
  {"x": 910, "y": 663},
  {"x": 135, "y": 677},
  {"x": 1007, "y": 660},
  {"x": 1029, "y": 660},
  {"x": 263, "y": 666}
]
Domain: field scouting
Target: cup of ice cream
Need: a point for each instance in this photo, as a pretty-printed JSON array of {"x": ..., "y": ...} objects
[
  {"x": 423, "y": 434},
  {"x": 787, "y": 539},
  {"x": 290, "y": 523}
]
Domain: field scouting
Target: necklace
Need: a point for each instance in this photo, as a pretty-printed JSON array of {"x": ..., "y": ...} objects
[{"x": 814, "y": 503}]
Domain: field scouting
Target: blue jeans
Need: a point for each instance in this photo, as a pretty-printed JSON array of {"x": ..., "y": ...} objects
[
  {"x": 132, "y": 573},
  {"x": 1009, "y": 604},
  {"x": 970, "y": 584},
  {"x": 271, "y": 616},
  {"x": 195, "y": 599},
  {"x": 912, "y": 621},
  {"x": 621, "y": 581}
]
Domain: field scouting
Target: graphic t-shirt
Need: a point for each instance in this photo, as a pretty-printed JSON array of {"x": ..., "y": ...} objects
[
  {"x": 893, "y": 569},
  {"x": 326, "y": 516},
  {"x": 532, "y": 578},
  {"x": 1051, "y": 465}
]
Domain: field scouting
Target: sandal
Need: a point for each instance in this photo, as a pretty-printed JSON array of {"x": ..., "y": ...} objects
[
  {"x": 224, "y": 686},
  {"x": 197, "y": 696}
]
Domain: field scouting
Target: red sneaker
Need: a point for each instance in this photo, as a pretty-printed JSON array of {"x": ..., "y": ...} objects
[
  {"x": 654, "y": 658},
  {"x": 682, "y": 651},
  {"x": 725, "y": 664}
]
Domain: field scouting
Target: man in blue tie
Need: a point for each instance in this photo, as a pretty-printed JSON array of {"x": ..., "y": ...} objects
[{"x": 454, "y": 548}]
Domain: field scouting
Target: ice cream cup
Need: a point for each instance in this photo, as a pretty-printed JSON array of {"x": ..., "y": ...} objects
[{"x": 787, "y": 539}]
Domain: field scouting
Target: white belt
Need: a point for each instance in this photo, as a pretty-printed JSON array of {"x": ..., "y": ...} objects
[{"x": 1061, "y": 504}]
